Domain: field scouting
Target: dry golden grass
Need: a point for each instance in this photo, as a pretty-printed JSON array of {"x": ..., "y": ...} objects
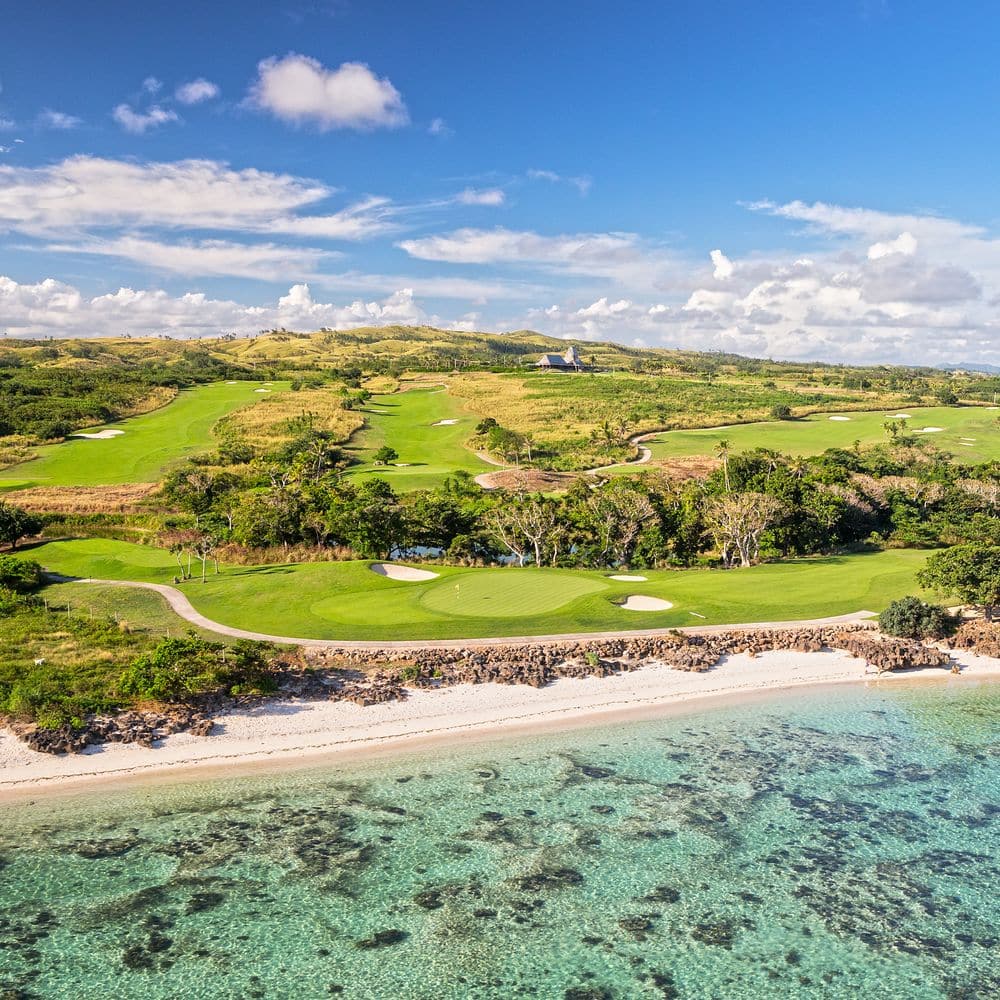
[
  {"x": 126, "y": 499},
  {"x": 160, "y": 396},
  {"x": 269, "y": 424}
]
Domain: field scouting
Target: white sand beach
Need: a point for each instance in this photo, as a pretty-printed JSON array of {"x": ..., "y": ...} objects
[{"x": 295, "y": 732}]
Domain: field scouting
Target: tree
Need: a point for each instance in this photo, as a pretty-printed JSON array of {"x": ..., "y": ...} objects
[
  {"x": 970, "y": 572},
  {"x": 616, "y": 514},
  {"x": 16, "y": 524},
  {"x": 385, "y": 455},
  {"x": 529, "y": 524},
  {"x": 19, "y": 575},
  {"x": 737, "y": 521},
  {"x": 781, "y": 411},
  {"x": 911, "y": 618},
  {"x": 722, "y": 450}
]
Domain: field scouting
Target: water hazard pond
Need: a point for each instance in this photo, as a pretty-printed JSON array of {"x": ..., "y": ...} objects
[{"x": 826, "y": 844}]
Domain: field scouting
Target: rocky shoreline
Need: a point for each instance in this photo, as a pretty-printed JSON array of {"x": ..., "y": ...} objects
[{"x": 378, "y": 676}]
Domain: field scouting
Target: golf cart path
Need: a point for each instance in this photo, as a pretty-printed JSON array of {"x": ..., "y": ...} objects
[
  {"x": 180, "y": 604},
  {"x": 643, "y": 455}
]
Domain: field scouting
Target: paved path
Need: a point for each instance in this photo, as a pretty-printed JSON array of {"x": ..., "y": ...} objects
[{"x": 179, "y": 602}]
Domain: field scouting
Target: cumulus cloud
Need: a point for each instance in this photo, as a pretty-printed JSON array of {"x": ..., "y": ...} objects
[
  {"x": 300, "y": 90},
  {"x": 723, "y": 265},
  {"x": 151, "y": 85},
  {"x": 196, "y": 91},
  {"x": 58, "y": 120},
  {"x": 439, "y": 126},
  {"x": 53, "y": 308},
  {"x": 140, "y": 122},
  {"x": 904, "y": 243}
]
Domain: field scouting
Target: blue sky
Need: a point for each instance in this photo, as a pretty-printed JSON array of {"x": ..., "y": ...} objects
[{"x": 806, "y": 179}]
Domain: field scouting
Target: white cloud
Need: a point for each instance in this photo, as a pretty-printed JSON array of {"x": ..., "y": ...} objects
[
  {"x": 488, "y": 196},
  {"x": 723, "y": 265},
  {"x": 582, "y": 251},
  {"x": 151, "y": 85},
  {"x": 52, "y": 308},
  {"x": 140, "y": 122},
  {"x": 905, "y": 244},
  {"x": 206, "y": 258},
  {"x": 439, "y": 126},
  {"x": 196, "y": 91},
  {"x": 6, "y": 124},
  {"x": 90, "y": 193},
  {"x": 57, "y": 120},
  {"x": 301, "y": 90},
  {"x": 582, "y": 184}
]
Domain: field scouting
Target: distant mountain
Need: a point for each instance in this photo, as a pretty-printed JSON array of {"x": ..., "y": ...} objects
[{"x": 971, "y": 367}]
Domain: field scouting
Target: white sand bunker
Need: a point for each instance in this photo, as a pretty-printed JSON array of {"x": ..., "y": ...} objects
[
  {"x": 408, "y": 573},
  {"x": 630, "y": 579},
  {"x": 929, "y": 430},
  {"x": 900, "y": 416},
  {"x": 967, "y": 444},
  {"x": 98, "y": 435},
  {"x": 444, "y": 423},
  {"x": 840, "y": 418},
  {"x": 639, "y": 602},
  {"x": 232, "y": 382},
  {"x": 262, "y": 390}
]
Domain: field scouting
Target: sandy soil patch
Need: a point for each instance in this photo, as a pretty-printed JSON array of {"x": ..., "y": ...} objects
[
  {"x": 444, "y": 423},
  {"x": 629, "y": 579},
  {"x": 640, "y": 602},
  {"x": 408, "y": 573},
  {"x": 840, "y": 418},
  {"x": 98, "y": 435}
]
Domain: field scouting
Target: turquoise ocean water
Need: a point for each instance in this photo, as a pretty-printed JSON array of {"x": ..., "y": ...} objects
[{"x": 837, "y": 843}]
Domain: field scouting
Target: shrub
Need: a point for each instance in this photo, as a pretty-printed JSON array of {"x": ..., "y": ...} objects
[
  {"x": 19, "y": 575},
  {"x": 781, "y": 411},
  {"x": 911, "y": 618}
]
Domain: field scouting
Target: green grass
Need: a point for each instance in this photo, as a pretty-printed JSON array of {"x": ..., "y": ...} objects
[
  {"x": 814, "y": 434},
  {"x": 348, "y": 601},
  {"x": 406, "y": 421},
  {"x": 150, "y": 445}
]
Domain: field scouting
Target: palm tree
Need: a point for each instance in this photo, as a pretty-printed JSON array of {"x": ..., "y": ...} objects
[{"x": 722, "y": 450}]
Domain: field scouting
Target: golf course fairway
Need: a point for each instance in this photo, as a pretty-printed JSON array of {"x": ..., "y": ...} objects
[
  {"x": 970, "y": 433},
  {"x": 429, "y": 449},
  {"x": 148, "y": 445},
  {"x": 347, "y": 600}
]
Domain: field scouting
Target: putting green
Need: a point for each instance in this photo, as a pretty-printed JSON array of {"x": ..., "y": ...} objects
[
  {"x": 491, "y": 593},
  {"x": 971, "y": 433},
  {"x": 346, "y": 600},
  {"x": 429, "y": 451},
  {"x": 150, "y": 445}
]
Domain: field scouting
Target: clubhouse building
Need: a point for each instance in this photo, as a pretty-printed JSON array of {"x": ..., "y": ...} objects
[{"x": 568, "y": 362}]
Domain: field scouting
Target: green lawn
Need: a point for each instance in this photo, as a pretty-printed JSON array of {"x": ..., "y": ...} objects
[
  {"x": 349, "y": 601},
  {"x": 428, "y": 451},
  {"x": 971, "y": 433},
  {"x": 151, "y": 443}
]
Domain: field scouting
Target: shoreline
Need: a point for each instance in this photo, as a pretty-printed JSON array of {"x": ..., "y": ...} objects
[{"x": 298, "y": 733}]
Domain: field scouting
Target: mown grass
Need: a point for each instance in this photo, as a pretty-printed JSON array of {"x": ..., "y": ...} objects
[
  {"x": 150, "y": 445},
  {"x": 349, "y": 601},
  {"x": 428, "y": 451},
  {"x": 814, "y": 434}
]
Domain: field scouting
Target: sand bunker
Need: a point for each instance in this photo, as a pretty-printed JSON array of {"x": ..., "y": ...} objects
[
  {"x": 262, "y": 390},
  {"x": 444, "y": 423},
  {"x": 98, "y": 435},
  {"x": 630, "y": 579},
  {"x": 232, "y": 382},
  {"x": 407, "y": 573},
  {"x": 899, "y": 416},
  {"x": 967, "y": 444},
  {"x": 639, "y": 602},
  {"x": 929, "y": 430},
  {"x": 840, "y": 418}
]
